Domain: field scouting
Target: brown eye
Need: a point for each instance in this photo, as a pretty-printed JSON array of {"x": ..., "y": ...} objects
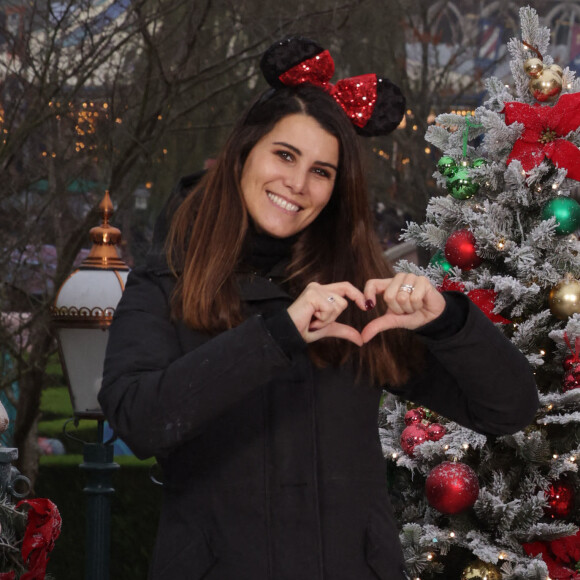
[
  {"x": 286, "y": 155},
  {"x": 322, "y": 172}
]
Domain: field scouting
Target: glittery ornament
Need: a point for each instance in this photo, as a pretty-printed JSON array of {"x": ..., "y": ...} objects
[
  {"x": 435, "y": 431},
  {"x": 479, "y": 162},
  {"x": 446, "y": 165},
  {"x": 461, "y": 250},
  {"x": 413, "y": 416},
  {"x": 547, "y": 86},
  {"x": 451, "y": 487},
  {"x": 480, "y": 570},
  {"x": 439, "y": 259},
  {"x": 412, "y": 436},
  {"x": 567, "y": 213},
  {"x": 533, "y": 67},
  {"x": 560, "y": 498},
  {"x": 564, "y": 298},
  {"x": 545, "y": 132}
]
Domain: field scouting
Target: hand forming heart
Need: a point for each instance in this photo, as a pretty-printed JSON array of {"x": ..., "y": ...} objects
[{"x": 411, "y": 302}]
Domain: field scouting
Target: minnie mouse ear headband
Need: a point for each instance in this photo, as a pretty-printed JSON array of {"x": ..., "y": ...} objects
[{"x": 374, "y": 105}]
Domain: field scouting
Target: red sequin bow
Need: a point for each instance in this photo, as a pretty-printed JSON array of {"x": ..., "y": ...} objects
[
  {"x": 482, "y": 298},
  {"x": 544, "y": 134},
  {"x": 356, "y": 95}
]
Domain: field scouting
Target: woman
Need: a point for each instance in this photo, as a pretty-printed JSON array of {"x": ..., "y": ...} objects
[{"x": 249, "y": 361}]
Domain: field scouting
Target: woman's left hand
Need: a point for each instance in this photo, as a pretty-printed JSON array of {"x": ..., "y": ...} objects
[{"x": 411, "y": 302}]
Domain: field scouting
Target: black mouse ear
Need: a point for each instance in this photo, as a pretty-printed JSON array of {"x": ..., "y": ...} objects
[
  {"x": 388, "y": 111},
  {"x": 285, "y": 55}
]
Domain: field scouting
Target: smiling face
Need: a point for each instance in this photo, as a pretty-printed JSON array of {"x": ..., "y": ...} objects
[{"x": 289, "y": 175}]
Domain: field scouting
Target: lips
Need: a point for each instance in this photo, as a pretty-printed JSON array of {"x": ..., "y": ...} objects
[{"x": 283, "y": 203}]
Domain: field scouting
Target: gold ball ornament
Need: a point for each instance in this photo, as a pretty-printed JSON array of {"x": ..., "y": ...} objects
[
  {"x": 547, "y": 86},
  {"x": 480, "y": 570},
  {"x": 533, "y": 67},
  {"x": 557, "y": 69},
  {"x": 564, "y": 298}
]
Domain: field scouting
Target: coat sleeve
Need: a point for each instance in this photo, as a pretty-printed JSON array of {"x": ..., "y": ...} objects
[
  {"x": 154, "y": 395},
  {"x": 476, "y": 377}
]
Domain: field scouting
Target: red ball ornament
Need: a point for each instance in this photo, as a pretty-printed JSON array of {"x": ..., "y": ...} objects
[
  {"x": 414, "y": 416},
  {"x": 571, "y": 381},
  {"x": 412, "y": 436},
  {"x": 560, "y": 498},
  {"x": 452, "y": 487},
  {"x": 460, "y": 250},
  {"x": 435, "y": 431}
]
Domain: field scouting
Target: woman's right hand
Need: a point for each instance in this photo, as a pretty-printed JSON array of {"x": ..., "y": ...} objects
[{"x": 315, "y": 311}]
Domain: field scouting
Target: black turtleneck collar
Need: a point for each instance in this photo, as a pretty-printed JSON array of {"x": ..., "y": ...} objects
[{"x": 262, "y": 252}]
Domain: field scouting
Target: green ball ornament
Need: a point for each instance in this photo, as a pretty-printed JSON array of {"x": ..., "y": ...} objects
[
  {"x": 446, "y": 165},
  {"x": 460, "y": 185},
  {"x": 567, "y": 213},
  {"x": 440, "y": 260},
  {"x": 479, "y": 162}
]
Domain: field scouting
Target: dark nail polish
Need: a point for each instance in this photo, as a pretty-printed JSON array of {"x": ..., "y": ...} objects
[{"x": 369, "y": 304}]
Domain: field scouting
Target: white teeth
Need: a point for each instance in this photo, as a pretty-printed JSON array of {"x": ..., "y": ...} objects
[{"x": 280, "y": 202}]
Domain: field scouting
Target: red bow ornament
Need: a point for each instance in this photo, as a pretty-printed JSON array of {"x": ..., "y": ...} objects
[
  {"x": 545, "y": 129},
  {"x": 356, "y": 95}
]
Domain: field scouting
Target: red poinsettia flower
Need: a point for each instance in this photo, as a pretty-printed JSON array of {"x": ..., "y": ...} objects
[
  {"x": 560, "y": 556},
  {"x": 543, "y": 136}
]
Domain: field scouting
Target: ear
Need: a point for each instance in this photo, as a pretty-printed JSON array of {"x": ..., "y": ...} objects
[
  {"x": 388, "y": 111},
  {"x": 286, "y": 54}
]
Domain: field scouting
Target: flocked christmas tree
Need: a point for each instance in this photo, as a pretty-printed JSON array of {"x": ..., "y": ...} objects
[{"x": 502, "y": 508}]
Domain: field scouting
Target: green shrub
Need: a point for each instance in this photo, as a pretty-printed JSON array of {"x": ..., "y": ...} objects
[{"x": 135, "y": 508}]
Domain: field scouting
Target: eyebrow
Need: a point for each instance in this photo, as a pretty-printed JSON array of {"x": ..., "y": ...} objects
[{"x": 298, "y": 152}]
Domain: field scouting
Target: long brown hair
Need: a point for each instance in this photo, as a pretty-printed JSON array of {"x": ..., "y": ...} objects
[{"x": 208, "y": 231}]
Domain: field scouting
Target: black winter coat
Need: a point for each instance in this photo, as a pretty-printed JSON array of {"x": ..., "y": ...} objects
[{"x": 272, "y": 467}]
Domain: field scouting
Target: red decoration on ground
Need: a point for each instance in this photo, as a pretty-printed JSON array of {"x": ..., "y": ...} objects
[
  {"x": 42, "y": 531},
  {"x": 560, "y": 498},
  {"x": 452, "y": 487},
  {"x": 460, "y": 250},
  {"x": 544, "y": 132},
  {"x": 413, "y": 435}
]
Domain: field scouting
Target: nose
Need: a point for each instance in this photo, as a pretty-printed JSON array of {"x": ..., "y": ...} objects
[{"x": 295, "y": 180}]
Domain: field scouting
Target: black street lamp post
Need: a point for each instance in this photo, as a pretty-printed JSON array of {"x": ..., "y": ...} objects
[{"x": 82, "y": 313}]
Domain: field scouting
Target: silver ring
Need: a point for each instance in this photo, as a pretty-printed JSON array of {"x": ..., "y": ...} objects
[
  {"x": 330, "y": 298},
  {"x": 407, "y": 288}
]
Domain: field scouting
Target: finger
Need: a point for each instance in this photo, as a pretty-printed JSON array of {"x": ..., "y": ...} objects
[
  {"x": 338, "y": 330},
  {"x": 347, "y": 290},
  {"x": 378, "y": 325},
  {"x": 391, "y": 292}
]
